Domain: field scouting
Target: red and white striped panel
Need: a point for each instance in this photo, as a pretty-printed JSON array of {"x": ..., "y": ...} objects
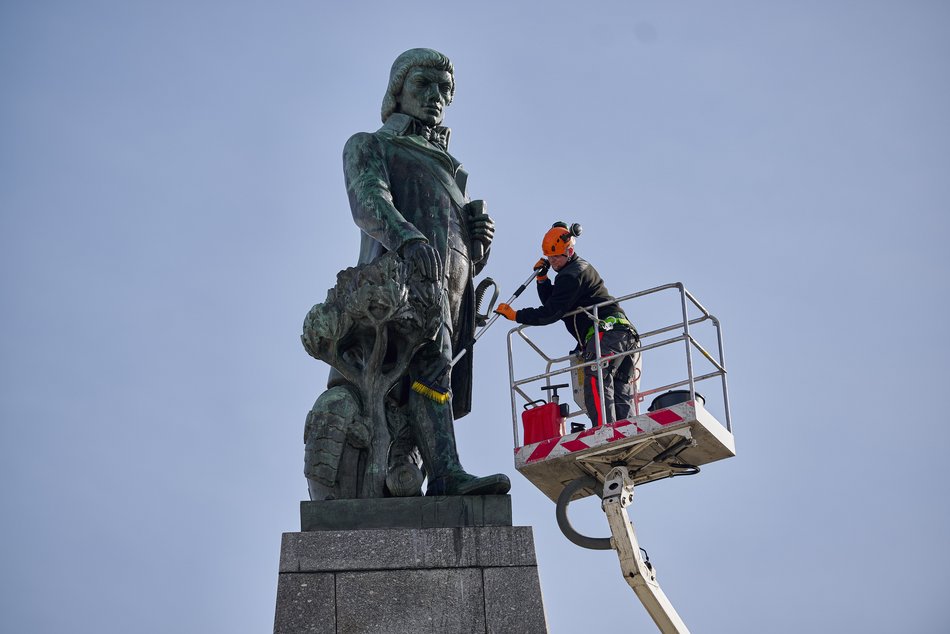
[{"x": 590, "y": 438}]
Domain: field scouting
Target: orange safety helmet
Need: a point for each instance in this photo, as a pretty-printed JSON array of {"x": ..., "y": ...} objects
[{"x": 559, "y": 239}]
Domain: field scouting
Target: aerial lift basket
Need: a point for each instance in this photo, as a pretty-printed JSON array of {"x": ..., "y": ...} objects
[{"x": 676, "y": 436}]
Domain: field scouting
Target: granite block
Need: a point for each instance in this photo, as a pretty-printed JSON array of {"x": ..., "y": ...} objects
[
  {"x": 513, "y": 601},
  {"x": 447, "y": 601},
  {"x": 393, "y": 549},
  {"x": 502, "y": 546},
  {"x": 440, "y": 580},
  {"x": 416, "y": 512},
  {"x": 306, "y": 604}
]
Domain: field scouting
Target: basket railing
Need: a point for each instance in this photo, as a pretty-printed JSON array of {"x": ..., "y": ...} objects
[{"x": 554, "y": 365}]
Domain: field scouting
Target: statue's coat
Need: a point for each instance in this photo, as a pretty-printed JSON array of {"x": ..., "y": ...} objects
[{"x": 403, "y": 188}]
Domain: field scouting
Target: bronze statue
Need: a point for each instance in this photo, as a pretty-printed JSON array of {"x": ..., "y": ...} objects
[{"x": 407, "y": 196}]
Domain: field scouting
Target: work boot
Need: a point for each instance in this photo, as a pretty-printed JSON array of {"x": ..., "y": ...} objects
[{"x": 433, "y": 426}]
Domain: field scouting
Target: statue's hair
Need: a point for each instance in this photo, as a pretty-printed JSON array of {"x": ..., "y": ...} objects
[{"x": 424, "y": 57}]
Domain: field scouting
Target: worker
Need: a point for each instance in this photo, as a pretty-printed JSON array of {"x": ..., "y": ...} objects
[{"x": 578, "y": 285}]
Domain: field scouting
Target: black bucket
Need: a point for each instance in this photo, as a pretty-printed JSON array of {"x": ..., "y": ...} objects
[{"x": 673, "y": 397}]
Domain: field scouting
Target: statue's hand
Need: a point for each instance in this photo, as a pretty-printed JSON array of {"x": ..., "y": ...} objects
[
  {"x": 423, "y": 258},
  {"x": 482, "y": 228}
]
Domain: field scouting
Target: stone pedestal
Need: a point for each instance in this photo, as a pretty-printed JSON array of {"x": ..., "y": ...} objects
[{"x": 480, "y": 577}]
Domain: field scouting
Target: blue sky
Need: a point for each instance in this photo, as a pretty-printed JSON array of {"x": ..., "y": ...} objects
[{"x": 172, "y": 204}]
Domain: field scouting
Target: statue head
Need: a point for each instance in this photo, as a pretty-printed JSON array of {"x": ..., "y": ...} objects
[{"x": 415, "y": 58}]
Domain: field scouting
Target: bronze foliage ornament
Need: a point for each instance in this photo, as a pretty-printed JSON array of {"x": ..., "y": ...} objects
[{"x": 368, "y": 328}]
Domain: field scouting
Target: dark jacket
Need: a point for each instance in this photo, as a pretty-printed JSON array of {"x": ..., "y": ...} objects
[{"x": 577, "y": 284}]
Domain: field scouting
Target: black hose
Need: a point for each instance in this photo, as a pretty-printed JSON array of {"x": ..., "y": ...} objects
[
  {"x": 672, "y": 450},
  {"x": 560, "y": 512},
  {"x": 688, "y": 469}
]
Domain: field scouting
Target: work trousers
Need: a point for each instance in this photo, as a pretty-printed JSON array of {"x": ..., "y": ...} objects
[{"x": 621, "y": 375}]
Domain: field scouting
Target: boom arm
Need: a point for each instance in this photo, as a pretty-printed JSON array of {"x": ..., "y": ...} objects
[{"x": 639, "y": 574}]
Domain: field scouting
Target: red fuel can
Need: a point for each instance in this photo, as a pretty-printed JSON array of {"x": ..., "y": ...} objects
[{"x": 542, "y": 421}]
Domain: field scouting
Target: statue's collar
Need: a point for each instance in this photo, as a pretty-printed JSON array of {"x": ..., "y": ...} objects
[{"x": 403, "y": 125}]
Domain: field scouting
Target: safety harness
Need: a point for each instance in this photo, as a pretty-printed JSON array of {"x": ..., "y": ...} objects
[{"x": 609, "y": 323}]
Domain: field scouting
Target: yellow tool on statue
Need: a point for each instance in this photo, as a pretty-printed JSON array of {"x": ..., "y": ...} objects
[{"x": 434, "y": 389}]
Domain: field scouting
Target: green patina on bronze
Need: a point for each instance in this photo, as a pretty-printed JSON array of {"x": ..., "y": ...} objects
[
  {"x": 367, "y": 329},
  {"x": 406, "y": 310}
]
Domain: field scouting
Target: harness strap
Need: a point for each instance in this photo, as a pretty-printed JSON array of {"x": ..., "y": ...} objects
[{"x": 609, "y": 323}]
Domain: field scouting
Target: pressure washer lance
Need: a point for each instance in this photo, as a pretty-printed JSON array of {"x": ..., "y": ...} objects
[{"x": 433, "y": 389}]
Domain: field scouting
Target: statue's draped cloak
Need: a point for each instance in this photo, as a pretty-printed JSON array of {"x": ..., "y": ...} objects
[{"x": 403, "y": 188}]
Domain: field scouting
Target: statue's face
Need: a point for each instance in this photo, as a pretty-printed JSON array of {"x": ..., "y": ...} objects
[{"x": 425, "y": 94}]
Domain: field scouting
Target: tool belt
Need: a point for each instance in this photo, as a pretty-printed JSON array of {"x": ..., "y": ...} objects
[{"x": 610, "y": 323}]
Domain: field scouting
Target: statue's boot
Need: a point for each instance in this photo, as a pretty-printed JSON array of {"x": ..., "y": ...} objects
[
  {"x": 404, "y": 478},
  {"x": 433, "y": 426}
]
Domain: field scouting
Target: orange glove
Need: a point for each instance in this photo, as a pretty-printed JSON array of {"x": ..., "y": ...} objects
[
  {"x": 542, "y": 266},
  {"x": 507, "y": 312}
]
